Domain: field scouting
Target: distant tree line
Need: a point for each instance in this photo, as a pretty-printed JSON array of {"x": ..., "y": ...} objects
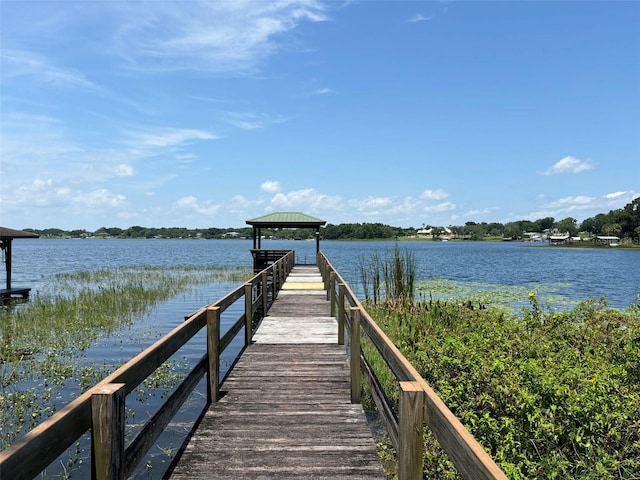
[{"x": 623, "y": 223}]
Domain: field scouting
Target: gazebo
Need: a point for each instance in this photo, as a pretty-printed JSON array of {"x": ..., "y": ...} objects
[
  {"x": 6, "y": 238},
  {"x": 261, "y": 258}
]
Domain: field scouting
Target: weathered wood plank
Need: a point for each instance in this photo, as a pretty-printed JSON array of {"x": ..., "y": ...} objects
[{"x": 285, "y": 410}]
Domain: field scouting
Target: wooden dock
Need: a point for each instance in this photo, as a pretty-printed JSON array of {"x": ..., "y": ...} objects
[
  {"x": 285, "y": 410},
  {"x": 12, "y": 293}
]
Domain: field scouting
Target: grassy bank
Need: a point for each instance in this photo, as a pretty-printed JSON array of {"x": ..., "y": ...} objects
[{"x": 549, "y": 394}]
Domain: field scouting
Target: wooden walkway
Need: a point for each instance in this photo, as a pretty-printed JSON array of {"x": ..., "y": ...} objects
[{"x": 285, "y": 410}]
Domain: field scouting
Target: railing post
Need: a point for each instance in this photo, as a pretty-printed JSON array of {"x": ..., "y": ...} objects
[
  {"x": 354, "y": 359},
  {"x": 248, "y": 313},
  {"x": 410, "y": 431},
  {"x": 332, "y": 294},
  {"x": 265, "y": 293},
  {"x": 213, "y": 354},
  {"x": 321, "y": 266},
  {"x": 341, "y": 289},
  {"x": 276, "y": 276},
  {"x": 325, "y": 279},
  {"x": 107, "y": 432},
  {"x": 325, "y": 268},
  {"x": 273, "y": 284}
]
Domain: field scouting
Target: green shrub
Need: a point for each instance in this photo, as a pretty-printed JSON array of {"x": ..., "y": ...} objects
[{"x": 548, "y": 394}]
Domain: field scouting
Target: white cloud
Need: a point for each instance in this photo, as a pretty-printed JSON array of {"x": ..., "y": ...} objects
[
  {"x": 323, "y": 91},
  {"x": 252, "y": 121},
  {"x": 222, "y": 37},
  {"x": 568, "y": 165},
  {"x": 477, "y": 213},
  {"x": 100, "y": 198},
  {"x": 38, "y": 193},
  {"x": 124, "y": 170},
  {"x": 620, "y": 199},
  {"x": 371, "y": 204},
  {"x": 270, "y": 186},
  {"x": 572, "y": 203},
  {"x": 583, "y": 206},
  {"x": 615, "y": 195},
  {"x": 50, "y": 194},
  {"x": 420, "y": 18},
  {"x": 34, "y": 140},
  {"x": 191, "y": 203},
  {"x": 167, "y": 137},
  {"x": 434, "y": 195},
  {"x": 375, "y": 207},
  {"x": 21, "y": 63},
  {"x": 441, "y": 207},
  {"x": 305, "y": 200},
  {"x": 240, "y": 203}
]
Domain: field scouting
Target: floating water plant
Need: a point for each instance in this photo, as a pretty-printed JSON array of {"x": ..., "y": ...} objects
[
  {"x": 43, "y": 343},
  {"x": 489, "y": 294}
]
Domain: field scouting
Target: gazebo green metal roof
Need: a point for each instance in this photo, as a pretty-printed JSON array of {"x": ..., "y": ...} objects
[
  {"x": 282, "y": 220},
  {"x": 286, "y": 220}
]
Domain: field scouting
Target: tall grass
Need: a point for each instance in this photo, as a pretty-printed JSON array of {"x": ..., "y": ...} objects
[
  {"x": 42, "y": 340},
  {"x": 389, "y": 278}
]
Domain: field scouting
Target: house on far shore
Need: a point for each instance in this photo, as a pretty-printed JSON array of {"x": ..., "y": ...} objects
[
  {"x": 532, "y": 236},
  {"x": 230, "y": 235},
  {"x": 559, "y": 239},
  {"x": 608, "y": 240}
]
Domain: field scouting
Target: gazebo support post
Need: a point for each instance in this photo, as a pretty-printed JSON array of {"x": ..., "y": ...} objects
[{"x": 6, "y": 246}]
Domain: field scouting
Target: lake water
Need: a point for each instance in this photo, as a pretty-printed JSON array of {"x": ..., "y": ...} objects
[
  {"x": 577, "y": 274},
  {"x": 568, "y": 275}
]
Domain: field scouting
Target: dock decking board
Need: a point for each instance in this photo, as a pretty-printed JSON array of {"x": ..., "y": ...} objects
[{"x": 286, "y": 410}]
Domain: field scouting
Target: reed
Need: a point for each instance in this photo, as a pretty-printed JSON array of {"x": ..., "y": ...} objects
[{"x": 389, "y": 278}]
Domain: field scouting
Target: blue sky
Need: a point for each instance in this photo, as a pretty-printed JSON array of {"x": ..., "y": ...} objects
[{"x": 206, "y": 114}]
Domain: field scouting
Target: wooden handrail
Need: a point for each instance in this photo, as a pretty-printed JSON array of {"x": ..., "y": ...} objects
[
  {"x": 38, "y": 448},
  {"x": 464, "y": 451}
]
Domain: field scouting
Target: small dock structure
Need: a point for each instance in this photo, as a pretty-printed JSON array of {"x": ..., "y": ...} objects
[
  {"x": 285, "y": 411},
  {"x": 262, "y": 258},
  {"x": 7, "y": 235}
]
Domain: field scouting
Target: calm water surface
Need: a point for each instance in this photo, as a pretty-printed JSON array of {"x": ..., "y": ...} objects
[
  {"x": 574, "y": 274},
  {"x": 582, "y": 273}
]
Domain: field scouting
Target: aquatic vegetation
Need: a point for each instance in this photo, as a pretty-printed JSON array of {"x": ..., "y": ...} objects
[
  {"x": 512, "y": 297},
  {"x": 548, "y": 393},
  {"x": 43, "y": 342},
  {"x": 389, "y": 277}
]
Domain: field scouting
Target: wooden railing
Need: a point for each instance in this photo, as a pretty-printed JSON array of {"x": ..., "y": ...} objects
[
  {"x": 418, "y": 403},
  {"x": 101, "y": 409},
  {"x": 262, "y": 258}
]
